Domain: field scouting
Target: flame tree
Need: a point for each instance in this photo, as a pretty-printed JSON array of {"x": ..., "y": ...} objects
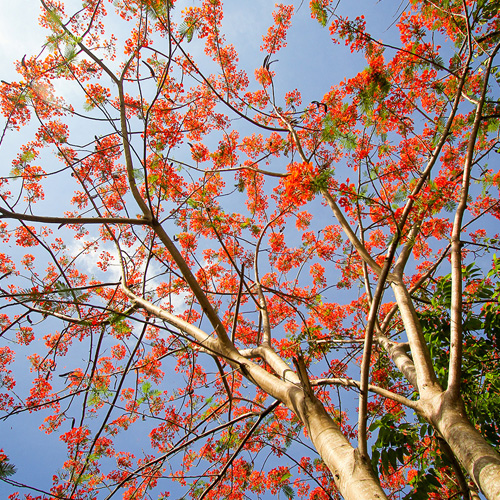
[{"x": 270, "y": 294}]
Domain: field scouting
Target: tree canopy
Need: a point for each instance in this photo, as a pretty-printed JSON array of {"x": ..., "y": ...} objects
[{"x": 213, "y": 287}]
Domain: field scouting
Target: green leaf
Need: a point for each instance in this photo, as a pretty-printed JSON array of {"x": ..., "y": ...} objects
[
  {"x": 7, "y": 469},
  {"x": 285, "y": 476},
  {"x": 385, "y": 461},
  {"x": 288, "y": 491},
  {"x": 188, "y": 29},
  {"x": 319, "y": 12},
  {"x": 393, "y": 459}
]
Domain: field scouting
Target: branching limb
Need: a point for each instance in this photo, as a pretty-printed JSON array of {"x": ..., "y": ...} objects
[
  {"x": 238, "y": 302},
  {"x": 346, "y": 382},
  {"x": 355, "y": 242},
  {"x": 398, "y": 352},
  {"x": 367, "y": 350},
  {"x": 279, "y": 366},
  {"x": 64, "y": 221},
  {"x": 301, "y": 369},
  {"x": 201, "y": 337},
  {"x": 424, "y": 371},
  {"x": 456, "y": 332}
]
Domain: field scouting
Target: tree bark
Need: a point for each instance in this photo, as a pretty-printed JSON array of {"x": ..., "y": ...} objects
[
  {"x": 352, "y": 474},
  {"x": 444, "y": 409},
  {"x": 478, "y": 458}
]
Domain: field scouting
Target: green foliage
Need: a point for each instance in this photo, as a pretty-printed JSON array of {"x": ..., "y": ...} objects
[
  {"x": 27, "y": 156},
  {"x": 437, "y": 334},
  {"x": 188, "y": 30},
  {"x": 481, "y": 345},
  {"x": 394, "y": 444},
  {"x": 414, "y": 443},
  {"x": 375, "y": 92},
  {"x": 149, "y": 394},
  {"x": 288, "y": 491},
  {"x": 332, "y": 132},
  {"x": 424, "y": 483},
  {"x": 6, "y": 468},
  {"x": 228, "y": 441},
  {"x": 486, "y": 10},
  {"x": 64, "y": 291},
  {"x": 120, "y": 324},
  {"x": 158, "y": 8},
  {"x": 319, "y": 12},
  {"x": 320, "y": 182}
]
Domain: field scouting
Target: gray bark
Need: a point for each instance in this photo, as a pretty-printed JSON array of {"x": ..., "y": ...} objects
[
  {"x": 477, "y": 457},
  {"x": 352, "y": 474}
]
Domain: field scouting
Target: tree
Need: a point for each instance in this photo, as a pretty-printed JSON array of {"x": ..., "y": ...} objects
[{"x": 273, "y": 295}]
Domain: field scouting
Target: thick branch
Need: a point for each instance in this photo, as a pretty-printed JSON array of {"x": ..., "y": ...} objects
[
  {"x": 347, "y": 382},
  {"x": 479, "y": 459},
  {"x": 355, "y": 242},
  {"x": 456, "y": 333},
  {"x": 399, "y": 354},
  {"x": 267, "y": 354},
  {"x": 424, "y": 371},
  {"x": 367, "y": 350},
  {"x": 196, "y": 333},
  {"x": 63, "y": 221}
]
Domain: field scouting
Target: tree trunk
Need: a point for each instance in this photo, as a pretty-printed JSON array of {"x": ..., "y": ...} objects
[
  {"x": 352, "y": 474},
  {"x": 478, "y": 458}
]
